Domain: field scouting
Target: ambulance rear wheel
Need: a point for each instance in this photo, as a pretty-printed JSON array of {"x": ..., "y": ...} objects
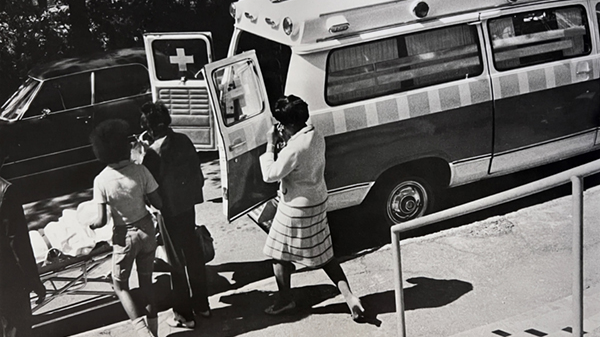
[{"x": 404, "y": 198}]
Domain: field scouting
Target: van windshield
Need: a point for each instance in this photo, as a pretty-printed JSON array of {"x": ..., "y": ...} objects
[
  {"x": 273, "y": 58},
  {"x": 17, "y": 103}
]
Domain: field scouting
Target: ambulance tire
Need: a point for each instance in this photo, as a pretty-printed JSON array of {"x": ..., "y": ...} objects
[{"x": 402, "y": 198}]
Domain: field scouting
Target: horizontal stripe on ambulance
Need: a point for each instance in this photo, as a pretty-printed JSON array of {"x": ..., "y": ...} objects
[{"x": 401, "y": 107}]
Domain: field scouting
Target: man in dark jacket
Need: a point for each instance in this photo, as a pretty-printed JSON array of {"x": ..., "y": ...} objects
[
  {"x": 18, "y": 270},
  {"x": 174, "y": 163}
]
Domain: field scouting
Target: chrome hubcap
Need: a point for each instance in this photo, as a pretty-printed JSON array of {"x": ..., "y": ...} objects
[{"x": 407, "y": 201}]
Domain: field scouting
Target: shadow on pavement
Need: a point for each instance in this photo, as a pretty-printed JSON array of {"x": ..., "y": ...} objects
[
  {"x": 426, "y": 293},
  {"x": 245, "y": 313},
  {"x": 242, "y": 273},
  {"x": 78, "y": 317},
  {"x": 432, "y": 293}
]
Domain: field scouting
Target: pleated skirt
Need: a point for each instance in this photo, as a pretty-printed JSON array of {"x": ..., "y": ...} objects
[{"x": 300, "y": 234}]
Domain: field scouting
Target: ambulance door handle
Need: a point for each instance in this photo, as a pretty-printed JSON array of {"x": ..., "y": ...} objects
[
  {"x": 583, "y": 70},
  {"x": 236, "y": 143}
]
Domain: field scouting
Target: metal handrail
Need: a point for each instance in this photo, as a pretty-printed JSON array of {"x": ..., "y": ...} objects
[{"x": 575, "y": 175}]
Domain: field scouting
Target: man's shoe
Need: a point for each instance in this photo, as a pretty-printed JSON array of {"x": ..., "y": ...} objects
[
  {"x": 180, "y": 323},
  {"x": 205, "y": 314}
]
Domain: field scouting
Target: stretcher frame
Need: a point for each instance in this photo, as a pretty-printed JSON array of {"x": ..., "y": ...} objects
[
  {"x": 54, "y": 273},
  {"x": 61, "y": 272}
]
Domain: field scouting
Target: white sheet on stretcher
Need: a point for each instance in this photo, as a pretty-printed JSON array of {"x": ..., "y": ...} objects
[
  {"x": 40, "y": 248},
  {"x": 69, "y": 235}
]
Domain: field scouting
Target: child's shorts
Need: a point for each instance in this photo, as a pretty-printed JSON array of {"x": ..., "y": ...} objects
[{"x": 134, "y": 242}]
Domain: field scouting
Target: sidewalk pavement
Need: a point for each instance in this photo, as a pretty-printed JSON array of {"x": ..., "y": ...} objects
[{"x": 508, "y": 275}]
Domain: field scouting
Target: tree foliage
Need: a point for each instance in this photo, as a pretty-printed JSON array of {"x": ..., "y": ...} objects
[
  {"x": 29, "y": 35},
  {"x": 33, "y": 32}
]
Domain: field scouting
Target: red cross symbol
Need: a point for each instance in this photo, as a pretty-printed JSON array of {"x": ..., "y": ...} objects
[{"x": 181, "y": 59}]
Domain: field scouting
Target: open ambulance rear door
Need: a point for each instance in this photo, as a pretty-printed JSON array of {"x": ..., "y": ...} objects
[
  {"x": 239, "y": 100},
  {"x": 175, "y": 61}
]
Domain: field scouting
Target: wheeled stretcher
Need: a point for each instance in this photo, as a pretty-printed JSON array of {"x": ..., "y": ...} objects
[
  {"x": 71, "y": 258},
  {"x": 75, "y": 260}
]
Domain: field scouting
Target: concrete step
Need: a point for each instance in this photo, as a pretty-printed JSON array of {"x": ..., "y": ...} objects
[{"x": 553, "y": 319}]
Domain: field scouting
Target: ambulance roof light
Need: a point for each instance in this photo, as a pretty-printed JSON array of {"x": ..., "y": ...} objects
[
  {"x": 420, "y": 9},
  {"x": 271, "y": 22},
  {"x": 288, "y": 26},
  {"x": 233, "y": 11},
  {"x": 250, "y": 16}
]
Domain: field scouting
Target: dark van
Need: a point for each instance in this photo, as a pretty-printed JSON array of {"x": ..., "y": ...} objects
[{"x": 47, "y": 122}]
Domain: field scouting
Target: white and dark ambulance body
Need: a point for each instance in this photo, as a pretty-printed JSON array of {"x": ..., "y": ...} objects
[{"x": 412, "y": 96}]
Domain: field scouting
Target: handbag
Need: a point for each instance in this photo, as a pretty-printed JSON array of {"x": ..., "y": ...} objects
[{"x": 206, "y": 242}]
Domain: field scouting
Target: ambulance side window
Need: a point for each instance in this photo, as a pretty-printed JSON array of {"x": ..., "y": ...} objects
[
  {"x": 402, "y": 63},
  {"x": 539, "y": 36}
]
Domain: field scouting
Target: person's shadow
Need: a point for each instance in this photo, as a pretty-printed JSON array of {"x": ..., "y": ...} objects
[
  {"x": 103, "y": 310},
  {"x": 426, "y": 293},
  {"x": 246, "y": 308},
  {"x": 235, "y": 275},
  {"x": 94, "y": 311},
  {"x": 244, "y": 312}
]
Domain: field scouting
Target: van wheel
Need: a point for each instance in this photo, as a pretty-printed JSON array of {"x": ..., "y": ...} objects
[{"x": 403, "y": 198}]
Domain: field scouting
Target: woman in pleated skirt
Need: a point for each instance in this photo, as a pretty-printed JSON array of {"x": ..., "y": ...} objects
[{"x": 300, "y": 231}]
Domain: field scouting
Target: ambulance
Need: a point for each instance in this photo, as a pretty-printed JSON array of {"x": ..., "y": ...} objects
[{"x": 413, "y": 97}]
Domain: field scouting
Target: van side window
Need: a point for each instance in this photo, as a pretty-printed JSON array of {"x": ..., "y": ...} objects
[
  {"x": 402, "y": 63},
  {"x": 539, "y": 36},
  {"x": 120, "y": 82},
  {"x": 62, "y": 93}
]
